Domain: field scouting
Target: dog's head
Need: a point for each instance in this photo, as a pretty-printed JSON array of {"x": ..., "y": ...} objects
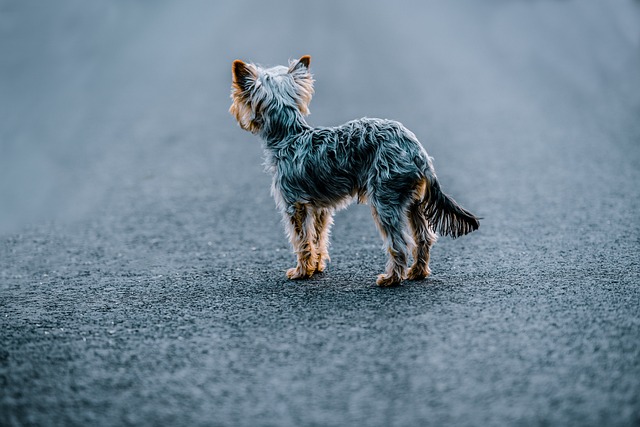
[{"x": 259, "y": 93}]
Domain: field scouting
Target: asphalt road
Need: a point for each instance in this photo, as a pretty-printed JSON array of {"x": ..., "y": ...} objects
[{"x": 142, "y": 259}]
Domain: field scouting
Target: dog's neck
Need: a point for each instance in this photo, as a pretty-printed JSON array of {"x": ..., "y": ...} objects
[{"x": 281, "y": 124}]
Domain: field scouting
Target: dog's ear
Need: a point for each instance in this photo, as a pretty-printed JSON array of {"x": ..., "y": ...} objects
[
  {"x": 301, "y": 64},
  {"x": 303, "y": 79},
  {"x": 244, "y": 75}
]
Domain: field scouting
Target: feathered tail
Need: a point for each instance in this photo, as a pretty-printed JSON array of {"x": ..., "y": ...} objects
[{"x": 446, "y": 216}]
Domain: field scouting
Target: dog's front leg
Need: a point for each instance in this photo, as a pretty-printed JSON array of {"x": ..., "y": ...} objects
[
  {"x": 322, "y": 221},
  {"x": 301, "y": 231}
]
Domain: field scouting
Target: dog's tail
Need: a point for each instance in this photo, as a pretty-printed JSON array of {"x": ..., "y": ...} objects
[{"x": 446, "y": 216}]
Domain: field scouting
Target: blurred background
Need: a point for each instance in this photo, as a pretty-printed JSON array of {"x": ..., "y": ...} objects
[{"x": 99, "y": 95}]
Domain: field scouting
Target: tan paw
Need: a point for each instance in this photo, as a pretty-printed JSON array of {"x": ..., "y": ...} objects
[
  {"x": 418, "y": 273},
  {"x": 386, "y": 280},
  {"x": 322, "y": 262},
  {"x": 322, "y": 265},
  {"x": 298, "y": 273}
]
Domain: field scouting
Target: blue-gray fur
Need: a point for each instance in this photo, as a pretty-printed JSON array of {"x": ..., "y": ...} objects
[{"x": 318, "y": 169}]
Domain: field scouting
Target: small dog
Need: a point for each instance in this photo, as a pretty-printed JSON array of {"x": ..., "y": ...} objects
[{"x": 318, "y": 170}]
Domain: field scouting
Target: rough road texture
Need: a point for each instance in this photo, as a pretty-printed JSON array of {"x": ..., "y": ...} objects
[{"x": 142, "y": 260}]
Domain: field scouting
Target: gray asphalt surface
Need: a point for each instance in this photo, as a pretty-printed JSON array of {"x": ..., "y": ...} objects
[{"x": 142, "y": 259}]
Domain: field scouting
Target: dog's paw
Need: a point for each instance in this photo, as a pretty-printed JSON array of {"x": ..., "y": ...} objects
[
  {"x": 298, "y": 273},
  {"x": 418, "y": 273},
  {"x": 322, "y": 265},
  {"x": 387, "y": 280}
]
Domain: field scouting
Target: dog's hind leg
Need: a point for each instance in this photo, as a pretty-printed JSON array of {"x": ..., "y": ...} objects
[
  {"x": 424, "y": 238},
  {"x": 322, "y": 221},
  {"x": 302, "y": 236},
  {"x": 391, "y": 221}
]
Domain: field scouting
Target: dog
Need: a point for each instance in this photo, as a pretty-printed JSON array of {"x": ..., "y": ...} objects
[{"x": 317, "y": 170}]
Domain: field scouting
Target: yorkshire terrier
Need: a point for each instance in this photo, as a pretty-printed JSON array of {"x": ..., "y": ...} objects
[{"x": 317, "y": 170}]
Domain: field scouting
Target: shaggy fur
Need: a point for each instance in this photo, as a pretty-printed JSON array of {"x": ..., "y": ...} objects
[{"x": 318, "y": 170}]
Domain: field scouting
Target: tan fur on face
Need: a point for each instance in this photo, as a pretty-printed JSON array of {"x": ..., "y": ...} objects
[{"x": 246, "y": 80}]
